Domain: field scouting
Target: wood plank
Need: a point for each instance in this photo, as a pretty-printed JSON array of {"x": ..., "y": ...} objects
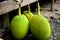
[{"x": 7, "y": 6}]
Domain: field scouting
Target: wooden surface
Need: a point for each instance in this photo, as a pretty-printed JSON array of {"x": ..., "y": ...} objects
[{"x": 10, "y": 5}]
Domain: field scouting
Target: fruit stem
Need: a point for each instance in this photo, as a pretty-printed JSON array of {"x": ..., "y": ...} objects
[
  {"x": 38, "y": 9},
  {"x": 19, "y": 10},
  {"x": 28, "y": 8}
]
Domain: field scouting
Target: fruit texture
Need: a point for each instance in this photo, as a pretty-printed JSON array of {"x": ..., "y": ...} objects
[
  {"x": 19, "y": 26},
  {"x": 39, "y": 26},
  {"x": 28, "y": 13}
]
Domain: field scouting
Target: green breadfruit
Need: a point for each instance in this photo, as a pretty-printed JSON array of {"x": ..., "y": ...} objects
[
  {"x": 28, "y": 13},
  {"x": 39, "y": 26},
  {"x": 19, "y": 26}
]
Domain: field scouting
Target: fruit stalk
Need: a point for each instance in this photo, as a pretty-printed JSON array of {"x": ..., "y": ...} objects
[
  {"x": 19, "y": 10},
  {"x": 38, "y": 9},
  {"x": 28, "y": 8}
]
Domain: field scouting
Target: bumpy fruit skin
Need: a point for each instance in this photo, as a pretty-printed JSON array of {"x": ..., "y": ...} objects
[
  {"x": 19, "y": 26},
  {"x": 29, "y": 15},
  {"x": 40, "y": 27}
]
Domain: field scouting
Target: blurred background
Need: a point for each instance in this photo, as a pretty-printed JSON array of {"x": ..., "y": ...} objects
[{"x": 49, "y": 8}]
